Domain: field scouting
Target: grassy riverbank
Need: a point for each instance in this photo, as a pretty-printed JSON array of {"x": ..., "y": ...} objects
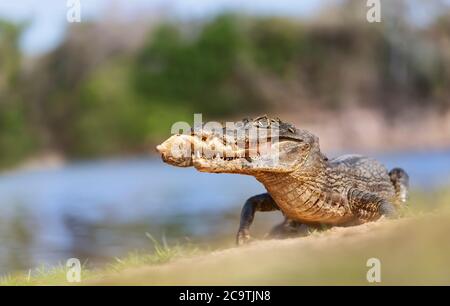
[{"x": 412, "y": 250}]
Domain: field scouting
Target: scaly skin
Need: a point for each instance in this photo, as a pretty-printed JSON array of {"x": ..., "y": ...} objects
[
  {"x": 307, "y": 187},
  {"x": 324, "y": 194}
]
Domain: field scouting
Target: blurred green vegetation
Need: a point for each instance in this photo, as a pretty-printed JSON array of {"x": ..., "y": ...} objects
[
  {"x": 99, "y": 94},
  {"x": 16, "y": 138}
]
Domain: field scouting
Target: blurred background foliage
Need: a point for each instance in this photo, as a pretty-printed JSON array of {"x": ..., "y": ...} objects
[
  {"x": 113, "y": 85},
  {"x": 15, "y": 137},
  {"x": 109, "y": 89}
]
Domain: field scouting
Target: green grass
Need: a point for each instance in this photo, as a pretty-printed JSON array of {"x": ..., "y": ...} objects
[
  {"x": 163, "y": 253},
  {"x": 43, "y": 275},
  {"x": 56, "y": 275},
  {"x": 413, "y": 250}
]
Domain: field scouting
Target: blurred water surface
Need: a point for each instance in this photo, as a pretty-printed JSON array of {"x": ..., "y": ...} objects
[{"x": 99, "y": 210}]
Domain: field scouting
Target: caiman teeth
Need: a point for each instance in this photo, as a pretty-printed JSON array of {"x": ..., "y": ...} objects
[{"x": 209, "y": 147}]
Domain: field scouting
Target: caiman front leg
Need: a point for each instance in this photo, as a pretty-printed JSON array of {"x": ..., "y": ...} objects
[
  {"x": 262, "y": 202},
  {"x": 368, "y": 206}
]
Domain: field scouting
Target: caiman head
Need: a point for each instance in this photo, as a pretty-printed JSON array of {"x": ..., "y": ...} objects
[{"x": 249, "y": 146}]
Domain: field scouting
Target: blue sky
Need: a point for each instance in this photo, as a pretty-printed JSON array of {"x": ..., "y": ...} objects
[{"x": 48, "y": 17}]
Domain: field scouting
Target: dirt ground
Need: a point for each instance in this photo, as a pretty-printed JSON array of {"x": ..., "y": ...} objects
[{"x": 411, "y": 251}]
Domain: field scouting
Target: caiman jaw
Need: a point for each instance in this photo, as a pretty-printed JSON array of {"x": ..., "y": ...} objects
[
  {"x": 252, "y": 146},
  {"x": 209, "y": 153},
  {"x": 190, "y": 150}
]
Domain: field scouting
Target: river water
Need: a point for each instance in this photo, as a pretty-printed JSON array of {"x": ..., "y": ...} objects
[{"x": 100, "y": 210}]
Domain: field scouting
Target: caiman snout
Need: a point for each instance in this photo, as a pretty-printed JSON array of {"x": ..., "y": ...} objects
[
  {"x": 161, "y": 150},
  {"x": 176, "y": 151}
]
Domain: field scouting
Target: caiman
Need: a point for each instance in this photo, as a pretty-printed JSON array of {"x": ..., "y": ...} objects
[{"x": 307, "y": 187}]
